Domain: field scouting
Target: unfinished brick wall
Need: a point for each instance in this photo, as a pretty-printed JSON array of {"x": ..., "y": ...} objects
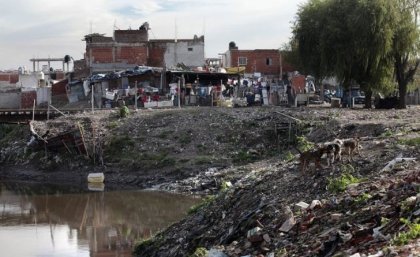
[
  {"x": 132, "y": 54},
  {"x": 5, "y": 77},
  {"x": 11, "y": 77},
  {"x": 27, "y": 99},
  {"x": 101, "y": 54},
  {"x": 131, "y": 36},
  {"x": 265, "y": 61},
  {"x": 14, "y": 78},
  {"x": 157, "y": 54}
]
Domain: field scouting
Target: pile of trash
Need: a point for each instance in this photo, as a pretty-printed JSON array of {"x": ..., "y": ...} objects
[{"x": 368, "y": 207}]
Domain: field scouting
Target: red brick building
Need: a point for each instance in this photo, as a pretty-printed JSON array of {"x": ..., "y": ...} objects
[
  {"x": 9, "y": 77},
  {"x": 129, "y": 48},
  {"x": 268, "y": 62}
]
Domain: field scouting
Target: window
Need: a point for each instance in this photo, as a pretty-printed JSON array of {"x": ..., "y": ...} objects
[
  {"x": 269, "y": 61},
  {"x": 242, "y": 61},
  {"x": 190, "y": 49}
]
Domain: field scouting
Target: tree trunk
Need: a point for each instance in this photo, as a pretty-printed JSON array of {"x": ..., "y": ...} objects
[
  {"x": 402, "y": 94},
  {"x": 368, "y": 99}
]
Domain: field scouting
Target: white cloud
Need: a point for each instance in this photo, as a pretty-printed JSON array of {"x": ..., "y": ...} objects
[{"x": 55, "y": 28}]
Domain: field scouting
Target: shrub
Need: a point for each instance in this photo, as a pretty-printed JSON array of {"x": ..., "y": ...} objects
[
  {"x": 337, "y": 185},
  {"x": 412, "y": 233},
  {"x": 124, "y": 111},
  {"x": 304, "y": 144}
]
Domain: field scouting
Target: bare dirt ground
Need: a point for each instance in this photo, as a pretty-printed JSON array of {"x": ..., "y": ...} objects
[{"x": 238, "y": 156}]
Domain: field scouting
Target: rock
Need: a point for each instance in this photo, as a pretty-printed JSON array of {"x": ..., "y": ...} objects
[
  {"x": 336, "y": 216},
  {"x": 267, "y": 238},
  {"x": 355, "y": 255},
  {"x": 216, "y": 253},
  {"x": 288, "y": 225},
  {"x": 314, "y": 204},
  {"x": 302, "y": 205},
  {"x": 254, "y": 235}
]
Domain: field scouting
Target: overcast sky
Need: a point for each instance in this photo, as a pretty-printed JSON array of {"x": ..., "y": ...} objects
[{"x": 54, "y": 28}]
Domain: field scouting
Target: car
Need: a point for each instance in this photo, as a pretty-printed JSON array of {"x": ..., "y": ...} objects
[{"x": 356, "y": 94}]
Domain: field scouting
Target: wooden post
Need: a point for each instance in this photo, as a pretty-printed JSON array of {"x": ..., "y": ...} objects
[
  {"x": 33, "y": 111},
  {"x": 179, "y": 93},
  {"x": 49, "y": 103},
  {"x": 92, "y": 97},
  {"x": 135, "y": 96}
]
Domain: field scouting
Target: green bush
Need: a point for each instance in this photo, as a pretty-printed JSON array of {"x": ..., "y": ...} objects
[
  {"x": 337, "y": 185},
  {"x": 412, "y": 233},
  {"x": 124, "y": 111},
  {"x": 304, "y": 144},
  {"x": 199, "y": 252}
]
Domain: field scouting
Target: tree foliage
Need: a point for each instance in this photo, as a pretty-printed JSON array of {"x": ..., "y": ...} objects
[
  {"x": 406, "y": 46},
  {"x": 354, "y": 40}
]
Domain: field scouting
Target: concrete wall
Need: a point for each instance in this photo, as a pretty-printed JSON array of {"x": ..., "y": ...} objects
[
  {"x": 186, "y": 52},
  {"x": 9, "y": 100},
  {"x": 42, "y": 95},
  {"x": 30, "y": 80}
]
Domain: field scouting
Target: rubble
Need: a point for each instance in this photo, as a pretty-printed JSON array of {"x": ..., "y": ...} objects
[{"x": 233, "y": 154}]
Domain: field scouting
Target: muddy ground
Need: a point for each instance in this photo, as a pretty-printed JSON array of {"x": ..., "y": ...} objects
[{"x": 244, "y": 158}]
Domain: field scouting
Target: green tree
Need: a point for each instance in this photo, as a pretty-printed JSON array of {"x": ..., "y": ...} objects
[
  {"x": 353, "y": 40},
  {"x": 406, "y": 46}
]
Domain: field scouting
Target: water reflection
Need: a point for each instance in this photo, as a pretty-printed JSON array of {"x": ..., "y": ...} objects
[{"x": 45, "y": 221}]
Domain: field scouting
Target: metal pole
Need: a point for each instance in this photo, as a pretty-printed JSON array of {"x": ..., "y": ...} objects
[{"x": 135, "y": 96}]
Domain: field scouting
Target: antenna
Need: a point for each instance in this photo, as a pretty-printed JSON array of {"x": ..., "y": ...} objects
[
  {"x": 204, "y": 26},
  {"x": 176, "y": 32},
  {"x": 90, "y": 27}
]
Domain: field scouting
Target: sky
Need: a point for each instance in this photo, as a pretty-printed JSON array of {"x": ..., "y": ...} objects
[{"x": 55, "y": 28}]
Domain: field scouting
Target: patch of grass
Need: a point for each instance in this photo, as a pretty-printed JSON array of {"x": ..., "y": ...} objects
[
  {"x": 410, "y": 141},
  {"x": 159, "y": 160},
  {"x": 200, "y": 160},
  {"x": 112, "y": 125},
  {"x": 412, "y": 233},
  {"x": 199, "y": 252},
  {"x": 243, "y": 157},
  {"x": 185, "y": 139},
  {"x": 338, "y": 185},
  {"x": 288, "y": 157},
  {"x": 12, "y": 132},
  {"x": 387, "y": 133},
  {"x": 118, "y": 145},
  {"x": 164, "y": 134},
  {"x": 363, "y": 198},
  {"x": 206, "y": 202}
]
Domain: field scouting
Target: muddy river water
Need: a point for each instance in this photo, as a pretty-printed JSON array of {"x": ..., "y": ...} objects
[{"x": 39, "y": 220}]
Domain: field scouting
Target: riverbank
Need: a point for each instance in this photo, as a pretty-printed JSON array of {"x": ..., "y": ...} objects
[{"x": 243, "y": 158}]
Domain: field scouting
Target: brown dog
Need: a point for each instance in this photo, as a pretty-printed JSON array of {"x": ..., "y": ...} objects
[
  {"x": 313, "y": 155},
  {"x": 351, "y": 146}
]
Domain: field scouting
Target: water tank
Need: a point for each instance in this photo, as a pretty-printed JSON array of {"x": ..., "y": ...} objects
[{"x": 40, "y": 75}]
